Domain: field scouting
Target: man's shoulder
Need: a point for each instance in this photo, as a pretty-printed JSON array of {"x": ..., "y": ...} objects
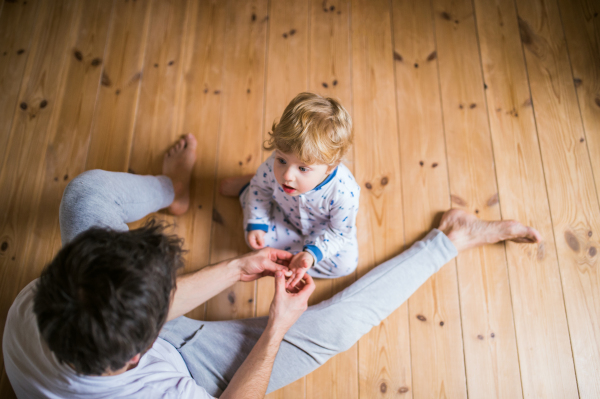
[{"x": 21, "y": 309}]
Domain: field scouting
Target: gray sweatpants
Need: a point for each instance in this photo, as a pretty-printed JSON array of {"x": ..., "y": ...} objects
[{"x": 213, "y": 350}]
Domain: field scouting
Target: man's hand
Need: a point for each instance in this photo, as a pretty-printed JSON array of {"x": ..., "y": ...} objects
[
  {"x": 299, "y": 264},
  {"x": 265, "y": 262},
  {"x": 256, "y": 239},
  {"x": 287, "y": 306}
]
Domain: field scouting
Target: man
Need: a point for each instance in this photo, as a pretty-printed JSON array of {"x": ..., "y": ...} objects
[{"x": 93, "y": 325}]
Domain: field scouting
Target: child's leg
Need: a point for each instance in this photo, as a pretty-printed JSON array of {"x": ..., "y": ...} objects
[{"x": 341, "y": 264}]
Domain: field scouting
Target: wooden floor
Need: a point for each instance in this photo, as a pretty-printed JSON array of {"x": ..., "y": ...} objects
[{"x": 488, "y": 105}]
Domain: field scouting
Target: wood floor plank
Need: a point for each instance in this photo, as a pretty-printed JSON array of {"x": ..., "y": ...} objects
[
  {"x": 200, "y": 114},
  {"x": 113, "y": 124},
  {"x": 16, "y": 30},
  {"x": 21, "y": 179},
  {"x": 490, "y": 348},
  {"x": 330, "y": 74},
  {"x": 523, "y": 196},
  {"x": 384, "y": 360},
  {"x": 240, "y": 140},
  {"x": 435, "y": 327},
  {"x": 157, "y": 109},
  {"x": 573, "y": 200},
  {"x": 287, "y": 73},
  {"x": 581, "y": 22},
  {"x": 156, "y": 116},
  {"x": 68, "y": 132}
]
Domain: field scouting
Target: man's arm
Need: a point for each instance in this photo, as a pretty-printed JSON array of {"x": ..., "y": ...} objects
[
  {"x": 252, "y": 378},
  {"x": 193, "y": 289}
]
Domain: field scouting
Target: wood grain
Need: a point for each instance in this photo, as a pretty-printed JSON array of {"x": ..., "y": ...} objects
[
  {"x": 490, "y": 349},
  {"x": 240, "y": 141},
  {"x": 569, "y": 181},
  {"x": 156, "y": 115},
  {"x": 384, "y": 360},
  {"x": 581, "y": 22},
  {"x": 522, "y": 194},
  {"x": 435, "y": 325},
  {"x": 16, "y": 30},
  {"x": 113, "y": 124},
  {"x": 200, "y": 115}
]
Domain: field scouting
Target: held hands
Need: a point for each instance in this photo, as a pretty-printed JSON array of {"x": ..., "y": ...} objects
[
  {"x": 287, "y": 306},
  {"x": 256, "y": 239},
  {"x": 298, "y": 266},
  {"x": 265, "y": 262}
]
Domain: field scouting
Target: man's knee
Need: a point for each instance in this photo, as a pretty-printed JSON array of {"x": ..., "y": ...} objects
[
  {"x": 85, "y": 186},
  {"x": 88, "y": 201}
]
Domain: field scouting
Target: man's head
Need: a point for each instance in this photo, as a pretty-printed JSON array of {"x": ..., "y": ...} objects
[
  {"x": 105, "y": 296},
  {"x": 311, "y": 138}
]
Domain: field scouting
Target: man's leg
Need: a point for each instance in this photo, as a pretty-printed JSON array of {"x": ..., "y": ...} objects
[
  {"x": 213, "y": 351},
  {"x": 112, "y": 199}
]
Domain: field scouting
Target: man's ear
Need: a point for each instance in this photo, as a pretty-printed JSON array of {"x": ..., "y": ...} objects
[{"x": 135, "y": 360}]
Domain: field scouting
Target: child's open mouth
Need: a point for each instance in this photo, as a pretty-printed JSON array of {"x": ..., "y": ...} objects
[{"x": 288, "y": 189}]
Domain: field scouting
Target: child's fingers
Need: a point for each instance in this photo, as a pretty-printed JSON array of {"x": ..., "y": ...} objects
[
  {"x": 260, "y": 240},
  {"x": 298, "y": 276},
  {"x": 252, "y": 241}
]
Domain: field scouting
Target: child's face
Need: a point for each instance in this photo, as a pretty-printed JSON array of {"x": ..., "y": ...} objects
[{"x": 295, "y": 177}]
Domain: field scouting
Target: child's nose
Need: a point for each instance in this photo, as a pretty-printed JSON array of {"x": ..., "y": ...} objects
[{"x": 288, "y": 174}]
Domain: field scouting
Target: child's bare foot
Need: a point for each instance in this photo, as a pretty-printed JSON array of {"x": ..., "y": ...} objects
[
  {"x": 467, "y": 231},
  {"x": 231, "y": 186},
  {"x": 177, "y": 165}
]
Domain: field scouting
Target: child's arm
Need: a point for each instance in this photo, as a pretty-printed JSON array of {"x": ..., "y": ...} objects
[
  {"x": 340, "y": 231},
  {"x": 260, "y": 193}
]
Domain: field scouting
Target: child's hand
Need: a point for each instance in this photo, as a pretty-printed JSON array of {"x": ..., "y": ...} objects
[
  {"x": 256, "y": 239},
  {"x": 299, "y": 264}
]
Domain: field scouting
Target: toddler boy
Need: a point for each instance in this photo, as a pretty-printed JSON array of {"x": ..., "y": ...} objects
[{"x": 302, "y": 199}]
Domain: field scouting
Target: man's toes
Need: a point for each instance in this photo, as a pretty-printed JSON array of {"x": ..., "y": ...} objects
[{"x": 190, "y": 140}]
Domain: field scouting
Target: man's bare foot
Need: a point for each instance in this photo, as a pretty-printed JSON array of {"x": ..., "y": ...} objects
[
  {"x": 231, "y": 186},
  {"x": 467, "y": 231},
  {"x": 178, "y": 163}
]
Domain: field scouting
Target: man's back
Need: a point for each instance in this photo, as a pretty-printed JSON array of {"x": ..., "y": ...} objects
[{"x": 34, "y": 371}]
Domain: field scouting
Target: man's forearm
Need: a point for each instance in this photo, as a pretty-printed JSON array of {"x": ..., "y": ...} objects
[
  {"x": 252, "y": 378},
  {"x": 193, "y": 289}
]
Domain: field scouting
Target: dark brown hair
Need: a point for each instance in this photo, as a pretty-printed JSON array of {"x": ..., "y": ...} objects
[{"x": 105, "y": 296}]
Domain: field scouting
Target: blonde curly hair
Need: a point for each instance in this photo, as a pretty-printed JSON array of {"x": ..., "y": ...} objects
[{"x": 314, "y": 128}]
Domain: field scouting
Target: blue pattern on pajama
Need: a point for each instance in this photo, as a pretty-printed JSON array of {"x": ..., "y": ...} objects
[{"x": 321, "y": 221}]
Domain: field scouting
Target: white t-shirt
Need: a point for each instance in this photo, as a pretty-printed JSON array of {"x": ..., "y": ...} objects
[{"x": 34, "y": 371}]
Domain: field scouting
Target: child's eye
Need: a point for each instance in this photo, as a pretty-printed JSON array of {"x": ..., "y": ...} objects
[
  {"x": 303, "y": 169},
  {"x": 281, "y": 161}
]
